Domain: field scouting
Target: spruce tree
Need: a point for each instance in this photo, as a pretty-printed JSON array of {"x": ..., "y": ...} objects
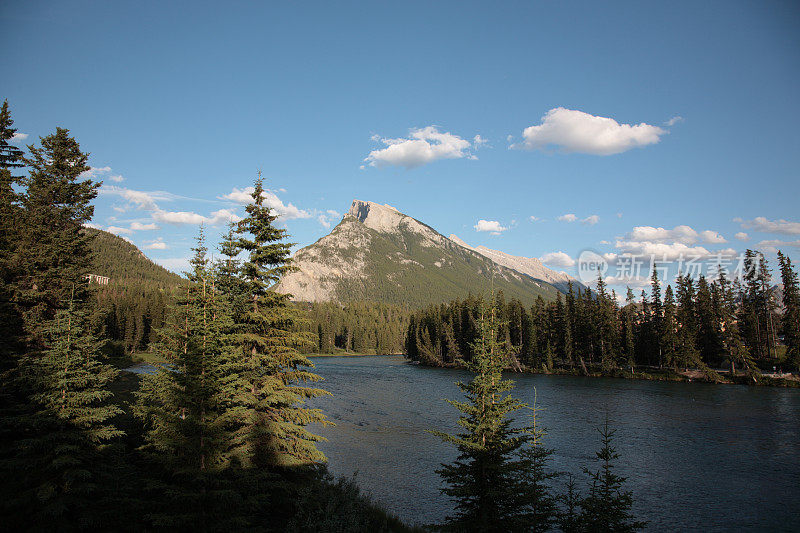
[
  {"x": 185, "y": 408},
  {"x": 56, "y": 409},
  {"x": 607, "y": 507},
  {"x": 54, "y": 251},
  {"x": 482, "y": 481},
  {"x": 537, "y": 503},
  {"x": 10, "y": 225},
  {"x": 657, "y": 309},
  {"x": 629, "y": 330},
  {"x": 731, "y": 334},
  {"x": 273, "y": 417},
  {"x": 791, "y": 310},
  {"x": 669, "y": 330},
  {"x": 57, "y": 466},
  {"x": 688, "y": 355}
]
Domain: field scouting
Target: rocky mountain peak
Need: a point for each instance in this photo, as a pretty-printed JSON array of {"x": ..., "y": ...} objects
[{"x": 376, "y": 216}]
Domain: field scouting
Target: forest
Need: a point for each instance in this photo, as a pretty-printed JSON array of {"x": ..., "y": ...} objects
[{"x": 707, "y": 326}]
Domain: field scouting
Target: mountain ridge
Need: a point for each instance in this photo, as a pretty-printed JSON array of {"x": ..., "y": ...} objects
[{"x": 377, "y": 253}]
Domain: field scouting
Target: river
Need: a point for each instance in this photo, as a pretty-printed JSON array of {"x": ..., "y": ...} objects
[{"x": 697, "y": 456}]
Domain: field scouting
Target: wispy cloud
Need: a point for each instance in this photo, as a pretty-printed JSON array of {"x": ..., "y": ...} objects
[
  {"x": 569, "y": 217},
  {"x": 674, "y": 120},
  {"x": 146, "y": 201},
  {"x": 591, "y": 220},
  {"x": 422, "y": 146},
  {"x": 18, "y": 138},
  {"x": 764, "y": 225},
  {"x": 575, "y": 131}
]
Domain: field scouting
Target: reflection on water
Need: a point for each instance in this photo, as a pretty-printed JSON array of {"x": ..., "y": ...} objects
[{"x": 697, "y": 455}]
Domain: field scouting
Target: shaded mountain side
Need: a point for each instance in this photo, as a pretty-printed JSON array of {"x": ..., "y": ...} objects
[
  {"x": 133, "y": 305},
  {"x": 116, "y": 258}
]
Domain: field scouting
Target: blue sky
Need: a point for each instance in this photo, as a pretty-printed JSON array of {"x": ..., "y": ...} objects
[{"x": 659, "y": 127}]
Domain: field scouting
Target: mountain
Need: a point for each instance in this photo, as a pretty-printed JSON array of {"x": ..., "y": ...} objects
[
  {"x": 531, "y": 266},
  {"x": 376, "y": 253},
  {"x": 116, "y": 258}
]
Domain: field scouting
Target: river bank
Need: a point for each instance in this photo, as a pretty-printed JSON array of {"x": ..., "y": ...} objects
[{"x": 715, "y": 376}]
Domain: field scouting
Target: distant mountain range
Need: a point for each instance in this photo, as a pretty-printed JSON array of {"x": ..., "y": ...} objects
[{"x": 377, "y": 253}]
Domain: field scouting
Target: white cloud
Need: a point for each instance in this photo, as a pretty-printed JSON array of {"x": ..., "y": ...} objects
[
  {"x": 116, "y": 230},
  {"x": 223, "y": 216},
  {"x": 326, "y": 217},
  {"x": 764, "y": 225},
  {"x": 772, "y": 246},
  {"x": 534, "y": 218},
  {"x": 682, "y": 234},
  {"x": 674, "y": 120},
  {"x": 423, "y": 146},
  {"x": 668, "y": 251},
  {"x": 591, "y": 220},
  {"x": 557, "y": 259},
  {"x": 479, "y": 141},
  {"x": 18, "y": 138},
  {"x": 569, "y": 217},
  {"x": 712, "y": 237},
  {"x": 175, "y": 264},
  {"x": 141, "y": 199},
  {"x": 157, "y": 244},
  {"x": 270, "y": 199},
  {"x": 91, "y": 225},
  {"x": 576, "y": 131},
  {"x": 98, "y": 173},
  {"x": 742, "y": 236},
  {"x": 492, "y": 226},
  {"x": 138, "y": 226}
]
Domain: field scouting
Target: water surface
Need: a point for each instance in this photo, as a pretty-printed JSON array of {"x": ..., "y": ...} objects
[{"x": 698, "y": 456}]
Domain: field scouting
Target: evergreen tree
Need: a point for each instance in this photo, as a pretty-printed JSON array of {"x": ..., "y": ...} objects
[
  {"x": 272, "y": 416},
  {"x": 569, "y": 519},
  {"x": 629, "y": 329},
  {"x": 669, "y": 330},
  {"x": 731, "y": 335},
  {"x": 56, "y": 468},
  {"x": 538, "y": 504},
  {"x": 708, "y": 333},
  {"x": 791, "y": 310},
  {"x": 54, "y": 251},
  {"x": 482, "y": 482},
  {"x": 657, "y": 314},
  {"x": 185, "y": 408},
  {"x": 607, "y": 507},
  {"x": 10, "y": 224},
  {"x": 688, "y": 355}
]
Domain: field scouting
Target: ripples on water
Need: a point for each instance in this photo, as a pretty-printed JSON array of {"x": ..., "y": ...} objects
[{"x": 698, "y": 456}]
